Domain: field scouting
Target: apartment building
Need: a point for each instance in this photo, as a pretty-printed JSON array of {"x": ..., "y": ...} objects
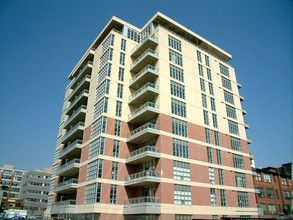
[
  {"x": 152, "y": 127},
  {"x": 10, "y": 184},
  {"x": 274, "y": 189},
  {"x": 34, "y": 191}
]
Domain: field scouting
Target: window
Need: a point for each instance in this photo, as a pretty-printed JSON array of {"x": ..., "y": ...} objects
[
  {"x": 97, "y": 147},
  {"x": 200, "y": 70},
  {"x": 261, "y": 193},
  {"x": 210, "y": 154},
  {"x": 120, "y": 91},
  {"x": 175, "y": 57},
  {"x": 213, "y": 197},
  {"x": 223, "y": 197},
  {"x": 99, "y": 126},
  {"x": 208, "y": 135},
  {"x": 108, "y": 42},
  {"x": 224, "y": 70},
  {"x": 217, "y": 138},
  {"x": 181, "y": 171},
  {"x": 242, "y": 199},
  {"x": 207, "y": 59},
  {"x": 206, "y": 117},
  {"x": 180, "y": 148},
  {"x": 133, "y": 35},
  {"x": 258, "y": 177},
  {"x": 202, "y": 85},
  {"x": 215, "y": 120},
  {"x": 198, "y": 53},
  {"x": 121, "y": 74},
  {"x": 272, "y": 208},
  {"x": 212, "y": 175},
  {"x": 267, "y": 177},
  {"x": 174, "y": 43},
  {"x": 177, "y": 90},
  {"x": 213, "y": 104},
  {"x": 235, "y": 143},
  {"x": 231, "y": 112},
  {"x": 286, "y": 194},
  {"x": 95, "y": 169},
  {"x": 107, "y": 55},
  {"x": 93, "y": 193},
  {"x": 179, "y": 127},
  {"x": 240, "y": 180},
  {"x": 176, "y": 73},
  {"x": 101, "y": 107},
  {"x": 116, "y": 147},
  {"x": 117, "y": 128},
  {"x": 178, "y": 107},
  {"x": 114, "y": 173},
  {"x": 284, "y": 181},
  {"x": 221, "y": 176},
  {"x": 262, "y": 207},
  {"x": 122, "y": 59},
  {"x": 113, "y": 194},
  {"x": 211, "y": 88},
  {"x": 270, "y": 193},
  {"x": 233, "y": 127},
  {"x": 204, "y": 100},
  {"x": 219, "y": 157},
  {"x": 238, "y": 161},
  {"x": 105, "y": 71},
  {"x": 183, "y": 217},
  {"x": 209, "y": 74},
  {"x": 226, "y": 83},
  {"x": 123, "y": 44},
  {"x": 182, "y": 194},
  {"x": 118, "y": 108},
  {"x": 103, "y": 89},
  {"x": 228, "y": 97}
]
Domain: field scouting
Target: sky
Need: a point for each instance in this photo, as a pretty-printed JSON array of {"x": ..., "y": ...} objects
[{"x": 41, "y": 41}]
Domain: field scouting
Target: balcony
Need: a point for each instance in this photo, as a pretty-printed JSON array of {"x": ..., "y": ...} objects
[
  {"x": 147, "y": 74},
  {"x": 142, "y": 178},
  {"x": 67, "y": 186},
  {"x": 85, "y": 70},
  {"x": 69, "y": 169},
  {"x": 79, "y": 100},
  {"x": 148, "y": 42},
  {"x": 142, "y": 155},
  {"x": 66, "y": 206},
  {"x": 144, "y": 94},
  {"x": 249, "y": 141},
  {"x": 142, "y": 205},
  {"x": 246, "y": 125},
  {"x": 143, "y": 133},
  {"x": 80, "y": 85},
  {"x": 75, "y": 132},
  {"x": 148, "y": 57},
  {"x": 72, "y": 150},
  {"x": 76, "y": 116},
  {"x": 144, "y": 113}
]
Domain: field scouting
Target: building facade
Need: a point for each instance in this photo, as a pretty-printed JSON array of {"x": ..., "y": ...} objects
[
  {"x": 152, "y": 127},
  {"x": 34, "y": 191},
  {"x": 10, "y": 183},
  {"x": 274, "y": 189}
]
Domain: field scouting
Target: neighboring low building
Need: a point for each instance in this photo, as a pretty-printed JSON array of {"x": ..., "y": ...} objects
[
  {"x": 34, "y": 191},
  {"x": 10, "y": 181},
  {"x": 274, "y": 187}
]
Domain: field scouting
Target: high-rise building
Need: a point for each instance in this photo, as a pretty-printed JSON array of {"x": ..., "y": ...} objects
[
  {"x": 152, "y": 128},
  {"x": 10, "y": 184},
  {"x": 35, "y": 190}
]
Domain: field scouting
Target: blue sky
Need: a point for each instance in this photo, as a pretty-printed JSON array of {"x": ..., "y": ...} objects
[{"x": 41, "y": 41}]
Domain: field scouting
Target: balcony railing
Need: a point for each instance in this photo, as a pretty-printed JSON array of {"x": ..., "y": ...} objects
[
  {"x": 70, "y": 147},
  {"x": 149, "y": 52},
  {"x": 145, "y": 199},
  {"x": 142, "y": 150},
  {"x": 147, "y": 86},
  {"x": 143, "y": 127},
  {"x": 145, "y": 173},
  {"x": 76, "y": 112},
  {"x": 79, "y": 84},
  {"x": 68, "y": 165},
  {"x": 154, "y": 72},
  {"x": 142, "y": 108},
  {"x": 79, "y": 125},
  {"x": 77, "y": 98},
  {"x": 68, "y": 183},
  {"x": 151, "y": 37}
]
